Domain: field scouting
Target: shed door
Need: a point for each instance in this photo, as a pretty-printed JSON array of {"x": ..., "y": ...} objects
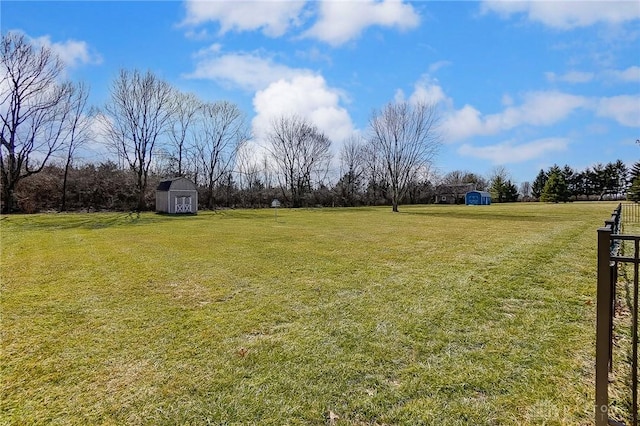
[{"x": 183, "y": 204}]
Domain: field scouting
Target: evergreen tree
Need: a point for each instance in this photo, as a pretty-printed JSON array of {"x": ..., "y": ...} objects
[
  {"x": 538, "y": 184},
  {"x": 633, "y": 194},
  {"x": 511, "y": 192},
  {"x": 572, "y": 180},
  {"x": 497, "y": 189},
  {"x": 615, "y": 178},
  {"x": 634, "y": 190},
  {"x": 503, "y": 191},
  {"x": 592, "y": 183},
  {"x": 634, "y": 172},
  {"x": 555, "y": 190}
]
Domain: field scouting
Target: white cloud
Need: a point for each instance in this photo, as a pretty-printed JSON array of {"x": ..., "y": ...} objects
[
  {"x": 214, "y": 49},
  {"x": 436, "y": 66},
  {"x": 507, "y": 100},
  {"x": 630, "y": 75},
  {"x": 425, "y": 90},
  {"x": 246, "y": 70},
  {"x": 342, "y": 21},
  {"x": 72, "y": 53},
  {"x": 509, "y": 153},
  {"x": 566, "y": 15},
  {"x": 279, "y": 90},
  {"x": 308, "y": 96},
  {"x": 337, "y": 22},
  {"x": 625, "y": 109},
  {"x": 462, "y": 124},
  {"x": 274, "y": 18},
  {"x": 542, "y": 108},
  {"x": 538, "y": 109},
  {"x": 573, "y": 77}
]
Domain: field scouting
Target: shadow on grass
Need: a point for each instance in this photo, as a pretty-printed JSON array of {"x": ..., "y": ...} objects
[
  {"x": 488, "y": 215},
  {"x": 54, "y": 221}
]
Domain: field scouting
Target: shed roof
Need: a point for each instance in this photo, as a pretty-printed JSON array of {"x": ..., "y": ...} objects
[
  {"x": 482, "y": 193},
  {"x": 165, "y": 185}
]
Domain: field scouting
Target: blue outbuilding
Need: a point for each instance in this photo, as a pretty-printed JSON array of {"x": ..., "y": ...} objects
[{"x": 477, "y": 198}]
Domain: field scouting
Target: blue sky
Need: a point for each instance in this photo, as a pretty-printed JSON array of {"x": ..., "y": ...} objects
[{"x": 519, "y": 84}]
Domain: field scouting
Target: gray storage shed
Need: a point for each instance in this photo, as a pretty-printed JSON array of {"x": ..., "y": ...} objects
[{"x": 177, "y": 196}]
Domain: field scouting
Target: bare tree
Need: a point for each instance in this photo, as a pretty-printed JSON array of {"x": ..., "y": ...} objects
[
  {"x": 525, "y": 189},
  {"x": 248, "y": 170},
  {"x": 34, "y": 111},
  {"x": 300, "y": 153},
  {"x": 267, "y": 171},
  {"x": 183, "y": 127},
  {"x": 461, "y": 177},
  {"x": 405, "y": 136},
  {"x": 377, "y": 185},
  {"x": 246, "y": 167},
  {"x": 222, "y": 131},
  {"x": 459, "y": 182},
  {"x": 499, "y": 173},
  {"x": 137, "y": 115},
  {"x": 79, "y": 132},
  {"x": 352, "y": 157}
]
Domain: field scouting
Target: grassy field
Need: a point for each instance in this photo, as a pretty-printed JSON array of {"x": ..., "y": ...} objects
[{"x": 437, "y": 315}]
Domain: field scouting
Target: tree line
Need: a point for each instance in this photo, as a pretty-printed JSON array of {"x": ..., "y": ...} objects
[
  {"x": 107, "y": 186},
  {"x": 155, "y": 131},
  {"x": 613, "y": 180}
]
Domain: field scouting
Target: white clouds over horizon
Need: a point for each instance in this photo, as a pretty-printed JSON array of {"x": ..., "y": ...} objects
[
  {"x": 624, "y": 109},
  {"x": 332, "y": 22},
  {"x": 537, "y": 109},
  {"x": 629, "y": 75},
  {"x": 273, "y": 18},
  {"x": 340, "y": 22},
  {"x": 278, "y": 89},
  {"x": 566, "y": 15},
  {"x": 573, "y": 77},
  {"x": 425, "y": 90},
  {"x": 510, "y": 153},
  {"x": 308, "y": 96},
  {"x": 72, "y": 53},
  {"x": 249, "y": 71},
  {"x": 540, "y": 109}
]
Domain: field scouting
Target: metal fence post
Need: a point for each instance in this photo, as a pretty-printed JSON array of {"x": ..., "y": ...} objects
[
  {"x": 634, "y": 336},
  {"x": 603, "y": 328}
]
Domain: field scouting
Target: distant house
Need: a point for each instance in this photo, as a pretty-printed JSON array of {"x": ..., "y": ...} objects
[
  {"x": 477, "y": 198},
  {"x": 177, "y": 196},
  {"x": 453, "y": 194}
]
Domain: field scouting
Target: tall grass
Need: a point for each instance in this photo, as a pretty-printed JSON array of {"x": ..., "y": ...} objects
[{"x": 436, "y": 315}]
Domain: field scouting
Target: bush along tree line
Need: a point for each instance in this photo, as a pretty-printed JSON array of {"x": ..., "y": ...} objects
[
  {"x": 108, "y": 186},
  {"x": 154, "y": 131}
]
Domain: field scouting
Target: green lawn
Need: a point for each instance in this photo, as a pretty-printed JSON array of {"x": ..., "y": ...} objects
[{"x": 437, "y": 315}]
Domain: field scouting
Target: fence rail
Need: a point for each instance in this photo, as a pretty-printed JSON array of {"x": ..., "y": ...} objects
[{"x": 611, "y": 255}]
